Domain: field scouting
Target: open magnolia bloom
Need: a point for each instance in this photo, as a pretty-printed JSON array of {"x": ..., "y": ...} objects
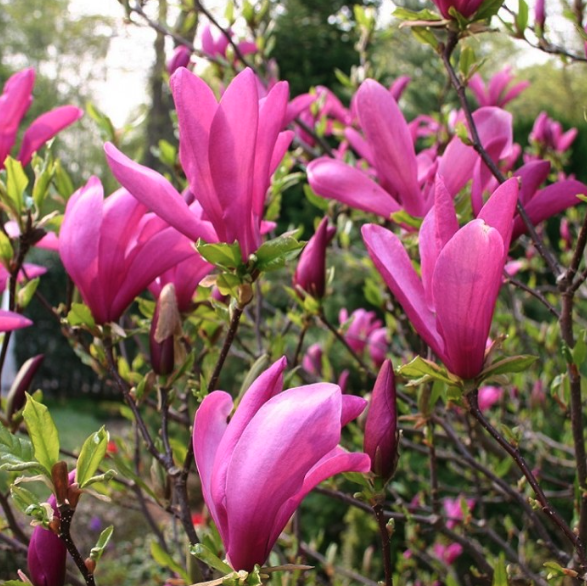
[
  {"x": 256, "y": 469},
  {"x": 451, "y": 306}
]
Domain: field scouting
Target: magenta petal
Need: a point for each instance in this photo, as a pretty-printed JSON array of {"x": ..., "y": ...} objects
[
  {"x": 438, "y": 227},
  {"x": 334, "y": 179},
  {"x": 281, "y": 444},
  {"x": 394, "y": 265},
  {"x": 352, "y": 407},
  {"x": 233, "y": 135},
  {"x": 44, "y": 128},
  {"x": 500, "y": 208},
  {"x": 550, "y": 201},
  {"x": 532, "y": 176},
  {"x": 155, "y": 192},
  {"x": 465, "y": 285},
  {"x": 210, "y": 425},
  {"x": 297, "y": 106},
  {"x": 12, "y": 321},
  {"x": 281, "y": 145},
  {"x": 391, "y": 143}
]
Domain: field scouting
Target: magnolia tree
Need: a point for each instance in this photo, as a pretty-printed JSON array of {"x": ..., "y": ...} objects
[{"x": 453, "y": 465}]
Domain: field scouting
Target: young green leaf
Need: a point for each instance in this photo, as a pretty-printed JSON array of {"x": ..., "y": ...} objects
[
  {"x": 91, "y": 455},
  {"x": 97, "y": 551},
  {"x": 42, "y": 432}
]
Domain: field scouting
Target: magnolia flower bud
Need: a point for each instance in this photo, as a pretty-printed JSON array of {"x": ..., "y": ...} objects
[
  {"x": 180, "y": 58},
  {"x": 310, "y": 275},
  {"x": 165, "y": 330},
  {"x": 21, "y": 385},
  {"x": 381, "y": 433}
]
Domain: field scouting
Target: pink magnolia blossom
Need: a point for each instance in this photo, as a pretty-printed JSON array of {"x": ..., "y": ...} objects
[
  {"x": 465, "y": 7},
  {"x": 28, "y": 272},
  {"x": 14, "y": 104},
  {"x": 548, "y": 134},
  {"x": 362, "y": 324},
  {"x": 381, "y": 433},
  {"x": 451, "y": 305},
  {"x": 215, "y": 43},
  {"x": 113, "y": 249},
  {"x": 180, "y": 58},
  {"x": 228, "y": 150},
  {"x": 488, "y": 396},
  {"x": 310, "y": 274},
  {"x": 312, "y": 360},
  {"x": 9, "y": 321},
  {"x": 447, "y": 554},
  {"x": 499, "y": 91},
  {"x": 453, "y": 510},
  {"x": 539, "y": 16},
  {"x": 378, "y": 344},
  {"x": 256, "y": 469}
]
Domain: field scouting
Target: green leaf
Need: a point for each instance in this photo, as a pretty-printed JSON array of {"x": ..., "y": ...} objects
[
  {"x": 23, "y": 498},
  {"x": 425, "y": 36},
  {"x": 42, "y": 432},
  {"x": 314, "y": 199},
  {"x": 419, "y": 368},
  {"x": 16, "y": 453},
  {"x": 6, "y": 250},
  {"x": 372, "y": 292},
  {"x": 63, "y": 181},
  {"x": 509, "y": 365},
  {"x": 402, "y": 217},
  {"x": 225, "y": 256},
  {"x": 26, "y": 293},
  {"x": 105, "y": 126},
  {"x": 43, "y": 175},
  {"x": 405, "y": 14},
  {"x": 500, "y": 576},
  {"x": 466, "y": 61},
  {"x": 273, "y": 254},
  {"x": 522, "y": 17},
  {"x": 579, "y": 352},
  {"x": 80, "y": 315},
  {"x": 91, "y": 455},
  {"x": 201, "y": 552},
  {"x": 16, "y": 184},
  {"x": 488, "y": 9},
  {"x": 98, "y": 549},
  {"x": 166, "y": 561},
  {"x": 167, "y": 153}
]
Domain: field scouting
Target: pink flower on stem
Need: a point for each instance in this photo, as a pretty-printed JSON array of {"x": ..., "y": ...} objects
[
  {"x": 465, "y": 7},
  {"x": 381, "y": 433},
  {"x": 489, "y": 396},
  {"x": 451, "y": 305},
  {"x": 378, "y": 344},
  {"x": 312, "y": 360},
  {"x": 539, "y": 17},
  {"x": 362, "y": 324},
  {"x": 180, "y": 58},
  {"x": 453, "y": 509},
  {"x": 447, "y": 554},
  {"x": 310, "y": 274},
  {"x": 14, "y": 104},
  {"x": 9, "y": 321},
  {"x": 215, "y": 43},
  {"x": 228, "y": 150},
  {"x": 499, "y": 91},
  {"x": 548, "y": 134},
  {"x": 256, "y": 469},
  {"x": 113, "y": 249}
]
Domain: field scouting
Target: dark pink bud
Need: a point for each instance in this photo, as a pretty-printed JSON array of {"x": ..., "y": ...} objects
[
  {"x": 312, "y": 360},
  {"x": 165, "y": 329},
  {"x": 539, "y": 17},
  {"x": 310, "y": 275},
  {"x": 180, "y": 58},
  {"x": 381, "y": 433},
  {"x": 21, "y": 385},
  {"x": 465, "y": 7}
]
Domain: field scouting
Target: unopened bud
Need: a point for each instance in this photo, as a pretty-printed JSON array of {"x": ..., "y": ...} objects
[
  {"x": 60, "y": 481},
  {"x": 73, "y": 495},
  {"x": 165, "y": 330},
  {"x": 21, "y": 385},
  {"x": 90, "y": 565}
]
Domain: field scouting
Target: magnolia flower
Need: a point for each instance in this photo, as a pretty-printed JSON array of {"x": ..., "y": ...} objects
[
  {"x": 453, "y": 508},
  {"x": 113, "y": 249},
  {"x": 312, "y": 360},
  {"x": 465, "y": 7},
  {"x": 215, "y": 43},
  {"x": 310, "y": 274},
  {"x": 548, "y": 134},
  {"x": 452, "y": 304},
  {"x": 489, "y": 396},
  {"x": 14, "y": 103},
  {"x": 256, "y": 469},
  {"x": 447, "y": 554},
  {"x": 9, "y": 320},
  {"x": 228, "y": 150},
  {"x": 180, "y": 58},
  {"x": 499, "y": 91},
  {"x": 381, "y": 434}
]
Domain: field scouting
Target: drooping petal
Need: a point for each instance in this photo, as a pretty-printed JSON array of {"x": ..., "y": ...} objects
[
  {"x": 44, "y": 128},
  {"x": 532, "y": 175},
  {"x": 394, "y": 265},
  {"x": 352, "y": 407},
  {"x": 334, "y": 179},
  {"x": 465, "y": 285},
  {"x": 549, "y": 201},
  {"x": 281, "y": 444},
  {"x": 12, "y": 321},
  {"x": 155, "y": 192}
]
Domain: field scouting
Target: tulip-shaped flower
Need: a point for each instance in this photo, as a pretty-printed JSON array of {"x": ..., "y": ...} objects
[
  {"x": 228, "y": 150},
  {"x": 465, "y": 7},
  {"x": 499, "y": 91},
  {"x": 381, "y": 433},
  {"x": 180, "y": 58},
  {"x": 14, "y": 103},
  {"x": 113, "y": 249},
  {"x": 310, "y": 275},
  {"x": 256, "y": 469},
  {"x": 165, "y": 332},
  {"x": 452, "y": 305}
]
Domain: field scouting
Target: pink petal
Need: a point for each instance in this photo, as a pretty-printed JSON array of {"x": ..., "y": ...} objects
[
  {"x": 334, "y": 179},
  {"x": 12, "y": 321},
  {"x": 532, "y": 175},
  {"x": 388, "y": 134},
  {"x": 394, "y": 265},
  {"x": 465, "y": 285},
  {"x": 44, "y": 128},
  {"x": 155, "y": 192}
]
